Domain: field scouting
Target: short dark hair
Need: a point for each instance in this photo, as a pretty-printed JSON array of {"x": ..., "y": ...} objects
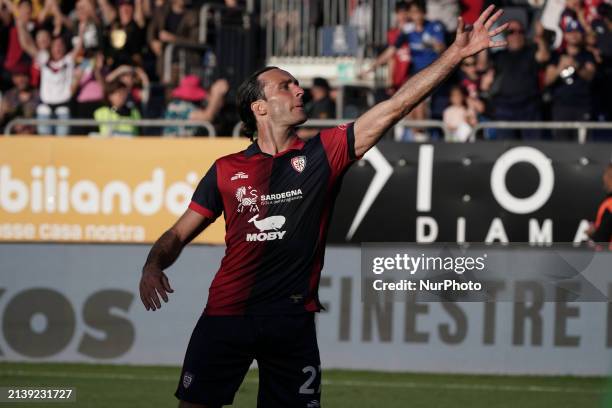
[
  {"x": 249, "y": 91},
  {"x": 402, "y": 6},
  {"x": 418, "y": 4},
  {"x": 114, "y": 86}
]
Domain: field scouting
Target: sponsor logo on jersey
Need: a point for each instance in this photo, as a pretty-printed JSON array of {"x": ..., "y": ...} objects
[
  {"x": 285, "y": 196},
  {"x": 298, "y": 163},
  {"x": 247, "y": 199},
  {"x": 268, "y": 228},
  {"x": 239, "y": 176},
  {"x": 313, "y": 404}
]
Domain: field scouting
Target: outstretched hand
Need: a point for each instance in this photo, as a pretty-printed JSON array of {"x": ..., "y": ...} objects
[
  {"x": 154, "y": 284},
  {"x": 472, "y": 40}
]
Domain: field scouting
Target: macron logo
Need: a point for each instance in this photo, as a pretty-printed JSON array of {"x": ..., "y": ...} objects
[{"x": 240, "y": 175}]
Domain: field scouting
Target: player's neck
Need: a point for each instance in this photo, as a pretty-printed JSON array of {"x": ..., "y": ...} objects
[{"x": 274, "y": 140}]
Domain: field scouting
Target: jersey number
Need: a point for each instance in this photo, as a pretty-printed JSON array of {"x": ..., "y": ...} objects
[{"x": 305, "y": 388}]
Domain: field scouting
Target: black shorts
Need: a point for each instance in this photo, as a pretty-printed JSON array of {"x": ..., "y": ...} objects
[{"x": 222, "y": 348}]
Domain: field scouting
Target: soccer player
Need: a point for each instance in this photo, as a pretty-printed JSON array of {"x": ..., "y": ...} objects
[{"x": 277, "y": 197}]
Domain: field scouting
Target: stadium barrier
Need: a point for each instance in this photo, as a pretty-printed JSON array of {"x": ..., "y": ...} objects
[
  {"x": 148, "y": 123},
  {"x": 581, "y": 127},
  {"x": 80, "y": 303}
]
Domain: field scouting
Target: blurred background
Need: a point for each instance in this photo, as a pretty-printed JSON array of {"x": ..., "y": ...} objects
[{"x": 112, "y": 111}]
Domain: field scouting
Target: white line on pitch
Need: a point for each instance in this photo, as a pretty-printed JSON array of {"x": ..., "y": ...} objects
[{"x": 332, "y": 383}]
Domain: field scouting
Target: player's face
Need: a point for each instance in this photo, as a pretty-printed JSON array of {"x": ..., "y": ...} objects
[{"x": 283, "y": 104}]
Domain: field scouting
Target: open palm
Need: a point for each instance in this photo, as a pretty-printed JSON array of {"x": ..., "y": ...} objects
[{"x": 471, "y": 40}]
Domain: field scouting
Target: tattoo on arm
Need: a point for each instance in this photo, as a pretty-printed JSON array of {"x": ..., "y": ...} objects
[{"x": 165, "y": 250}]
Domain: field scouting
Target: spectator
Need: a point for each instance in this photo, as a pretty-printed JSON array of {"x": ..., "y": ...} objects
[
  {"x": 397, "y": 58},
  {"x": 88, "y": 86},
  {"x": 321, "y": 106},
  {"x": 569, "y": 75},
  {"x": 186, "y": 104},
  {"x": 602, "y": 84},
  {"x": 21, "y": 16},
  {"x": 86, "y": 29},
  {"x": 515, "y": 92},
  {"x": 458, "y": 117},
  {"x": 20, "y": 101},
  {"x": 472, "y": 83},
  {"x": 57, "y": 74},
  {"x": 172, "y": 23},
  {"x": 137, "y": 83},
  {"x": 125, "y": 31},
  {"x": 52, "y": 10},
  {"x": 426, "y": 41},
  {"x": 117, "y": 108}
]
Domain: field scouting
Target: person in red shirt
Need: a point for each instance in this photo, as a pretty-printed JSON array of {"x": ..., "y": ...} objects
[{"x": 397, "y": 58}]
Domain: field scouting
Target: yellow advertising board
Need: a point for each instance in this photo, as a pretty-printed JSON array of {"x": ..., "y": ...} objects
[{"x": 102, "y": 190}]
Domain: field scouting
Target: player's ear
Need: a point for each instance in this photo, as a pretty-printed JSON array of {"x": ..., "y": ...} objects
[{"x": 259, "y": 107}]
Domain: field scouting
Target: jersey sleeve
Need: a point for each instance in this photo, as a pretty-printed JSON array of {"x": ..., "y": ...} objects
[
  {"x": 603, "y": 233},
  {"x": 339, "y": 145},
  {"x": 206, "y": 199}
]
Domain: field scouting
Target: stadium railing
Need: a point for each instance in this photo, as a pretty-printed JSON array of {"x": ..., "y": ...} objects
[
  {"x": 326, "y": 123},
  {"x": 181, "y": 49},
  {"x": 141, "y": 123},
  {"x": 581, "y": 127}
]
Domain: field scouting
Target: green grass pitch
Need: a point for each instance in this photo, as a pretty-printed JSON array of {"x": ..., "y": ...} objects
[{"x": 137, "y": 386}]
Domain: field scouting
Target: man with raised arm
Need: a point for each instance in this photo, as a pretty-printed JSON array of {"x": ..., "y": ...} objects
[{"x": 277, "y": 197}]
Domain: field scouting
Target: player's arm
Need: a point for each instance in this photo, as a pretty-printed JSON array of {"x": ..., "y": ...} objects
[
  {"x": 154, "y": 282},
  {"x": 370, "y": 127}
]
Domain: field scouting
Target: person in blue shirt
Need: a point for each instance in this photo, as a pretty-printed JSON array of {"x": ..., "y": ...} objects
[{"x": 425, "y": 40}]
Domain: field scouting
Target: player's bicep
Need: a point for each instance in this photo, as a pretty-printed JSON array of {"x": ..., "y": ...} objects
[{"x": 370, "y": 126}]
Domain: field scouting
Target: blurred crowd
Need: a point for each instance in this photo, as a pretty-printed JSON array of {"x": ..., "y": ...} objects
[
  {"x": 104, "y": 60},
  {"x": 559, "y": 73},
  {"x": 100, "y": 59}
]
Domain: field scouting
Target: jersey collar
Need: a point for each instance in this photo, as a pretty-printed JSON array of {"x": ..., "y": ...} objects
[{"x": 254, "y": 149}]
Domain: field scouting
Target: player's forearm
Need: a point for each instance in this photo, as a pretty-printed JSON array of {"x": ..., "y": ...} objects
[
  {"x": 423, "y": 83},
  {"x": 165, "y": 251},
  {"x": 370, "y": 127}
]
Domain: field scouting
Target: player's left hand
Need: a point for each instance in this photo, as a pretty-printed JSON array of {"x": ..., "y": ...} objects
[{"x": 472, "y": 40}]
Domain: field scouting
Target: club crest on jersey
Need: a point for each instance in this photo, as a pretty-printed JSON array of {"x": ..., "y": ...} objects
[
  {"x": 187, "y": 379},
  {"x": 298, "y": 163},
  {"x": 239, "y": 176},
  {"x": 247, "y": 199}
]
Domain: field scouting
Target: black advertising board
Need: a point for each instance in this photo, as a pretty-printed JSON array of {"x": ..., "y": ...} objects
[{"x": 477, "y": 192}]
